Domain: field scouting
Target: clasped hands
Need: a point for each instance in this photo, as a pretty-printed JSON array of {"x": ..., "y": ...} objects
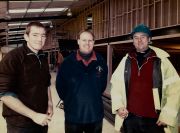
[
  {"x": 42, "y": 119},
  {"x": 123, "y": 113}
]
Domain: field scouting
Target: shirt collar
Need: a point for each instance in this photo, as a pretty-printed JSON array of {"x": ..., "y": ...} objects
[{"x": 86, "y": 63}]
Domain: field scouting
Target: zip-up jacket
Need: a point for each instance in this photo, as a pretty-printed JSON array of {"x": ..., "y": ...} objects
[
  {"x": 165, "y": 89},
  {"x": 26, "y": 75},
  {"x": 81, "y": 88}
]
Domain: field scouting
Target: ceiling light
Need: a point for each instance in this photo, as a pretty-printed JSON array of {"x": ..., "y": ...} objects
[
  {"x": 66, "y": 0},
  {"x": 34, "y": 10},
  {"x": 89, "y": 18},
  {"x": 37, "y": 10},
  {"x": 69, "y": 13},
  {"x": 15, "y": 37},
  {"x": 55, "y": 9},
  {"x": 15, "y": 45},
  {"x": 18, "y": 11},
  {"x": 16, "y": 40},
  {"x": 45, "y": 22},
  {"x": 11, "y": 32},
  {"x": 51, "y": 25},
  {"x": 17, "y": 24}
]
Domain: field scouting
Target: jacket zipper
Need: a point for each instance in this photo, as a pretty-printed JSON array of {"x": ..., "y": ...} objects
[
  {"x": 39, "y": 61},
  {"x": 37, "y": 58},
  {"x": 139, "y": 68}
]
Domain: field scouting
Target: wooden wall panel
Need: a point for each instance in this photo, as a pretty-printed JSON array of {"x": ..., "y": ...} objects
[
  {"x": 165, "y": 13},
  {"x": 124, "y": 15},
  {"x": 145, "y": 15},
  {"x": 151, "y": 16},
  {"x": 173, "y": 12},
  {"x": 178, "y": 11},
  {"x": 158, "y": 14}
]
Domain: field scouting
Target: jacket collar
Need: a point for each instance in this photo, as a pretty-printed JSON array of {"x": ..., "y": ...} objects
[
  {"x": 30, "y": 52},
  {"x": 150, "y": 53},
  {"x": 159, "y": 52},
  {"x": 86, "y": 63}
]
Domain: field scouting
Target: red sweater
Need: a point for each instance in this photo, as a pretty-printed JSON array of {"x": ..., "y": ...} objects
[{"x": 140, "y": 96}]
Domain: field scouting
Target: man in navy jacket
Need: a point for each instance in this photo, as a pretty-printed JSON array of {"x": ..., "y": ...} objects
[{"x": 80, "y": 82}]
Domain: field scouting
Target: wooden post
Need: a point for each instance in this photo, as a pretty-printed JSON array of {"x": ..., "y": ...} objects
[{"x": 109, "y": 61}]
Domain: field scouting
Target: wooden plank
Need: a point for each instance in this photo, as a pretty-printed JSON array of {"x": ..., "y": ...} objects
[{"x": 109, "y": 61}]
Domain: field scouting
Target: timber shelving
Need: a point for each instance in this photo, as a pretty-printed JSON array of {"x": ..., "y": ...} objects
[{"x": 111, "y": 18}]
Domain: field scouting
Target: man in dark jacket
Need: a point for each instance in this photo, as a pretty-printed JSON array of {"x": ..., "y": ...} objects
[
  {"x": 24, "y": 81},
  {"x": 80, "y": 82}
]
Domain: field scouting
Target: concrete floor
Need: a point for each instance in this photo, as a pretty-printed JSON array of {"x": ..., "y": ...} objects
[{"x": 57, "y": 123}]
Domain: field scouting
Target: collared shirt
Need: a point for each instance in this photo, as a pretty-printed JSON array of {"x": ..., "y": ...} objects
[{"x": 86, "y": 63}]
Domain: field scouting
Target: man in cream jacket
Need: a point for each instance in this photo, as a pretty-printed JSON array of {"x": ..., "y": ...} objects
[{"x": 145, "y": 89}]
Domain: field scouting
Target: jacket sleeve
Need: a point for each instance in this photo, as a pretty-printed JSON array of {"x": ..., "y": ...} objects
[
  {"x": 118, "y": 94},
  {"x": 60, "y": 82},
  {"x": 7, "y": 94},
  {"x": 104, "y": 77},
  {"x": 9, "y": 68},
  {"x": 171, "y": 97}
]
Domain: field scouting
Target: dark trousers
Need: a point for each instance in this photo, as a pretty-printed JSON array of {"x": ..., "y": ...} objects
[
  {"x": 83, "y": 128},
  {"x": 33, "y": 129},
  {"x": 137, "y": 124}
]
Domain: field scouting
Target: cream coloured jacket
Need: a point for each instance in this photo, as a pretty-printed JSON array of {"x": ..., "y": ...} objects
[{"x": 170, "y": 101}]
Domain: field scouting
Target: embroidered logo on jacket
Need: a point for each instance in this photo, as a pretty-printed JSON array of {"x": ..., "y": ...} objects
[{"x": 99, "y": 71}]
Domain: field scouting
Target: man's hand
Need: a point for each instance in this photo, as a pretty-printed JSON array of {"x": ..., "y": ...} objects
[
  {"x": 123, "y": 112},
  {"x": 160, "y": 123},
  {"x": 41, "y": 119},
  {"x": 15, "y": 104}
]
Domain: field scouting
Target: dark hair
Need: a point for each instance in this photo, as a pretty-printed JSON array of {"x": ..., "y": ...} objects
[
  {"x": 87, "y": 31},
  {"x": 37, "y": 24}
]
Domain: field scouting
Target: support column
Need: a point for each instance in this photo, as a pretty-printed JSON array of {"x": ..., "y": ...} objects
[{"x": 109, "y": 61}]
